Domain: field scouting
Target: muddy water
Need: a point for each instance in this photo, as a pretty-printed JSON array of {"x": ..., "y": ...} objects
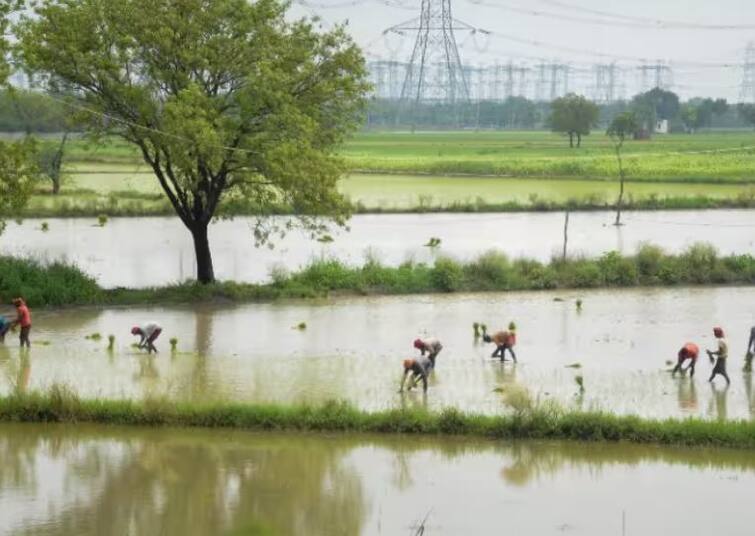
[
  {"x": 352, "y": 350},
  {"x": 143, "y": 252},
  {"x": 93, "y": 481}
]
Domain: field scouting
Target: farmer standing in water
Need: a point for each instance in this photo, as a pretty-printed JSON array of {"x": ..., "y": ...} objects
[
  {"x": 149, "y": 333},
  {"x": 750, "y": 350},
  {"x": 689, "y": 351},
  {"x": 722, "y": 353},
  {"x": 503, "y": 340},
  {"x": 23, "y": 319}
]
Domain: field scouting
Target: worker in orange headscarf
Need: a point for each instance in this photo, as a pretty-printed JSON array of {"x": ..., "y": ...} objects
[{"x": 689, "y": 351}]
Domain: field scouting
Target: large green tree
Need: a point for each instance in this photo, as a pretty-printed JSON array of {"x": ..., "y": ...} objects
[
  {"x": 223, "y": 98},
  {"x": 18, "y": 170},
  {"x": 573, "y": 115}
]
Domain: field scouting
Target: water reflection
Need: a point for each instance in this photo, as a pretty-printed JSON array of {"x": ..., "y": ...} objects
[
  {"x": 352, "y": 350},
  {"x": 57, "y": 480},
  {"x": 393, "y": 238}
]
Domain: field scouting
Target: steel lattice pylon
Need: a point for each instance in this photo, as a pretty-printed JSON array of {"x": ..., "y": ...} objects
[
  {"x": 747, "y": 90},
  {"x": 435, "y": 71}
]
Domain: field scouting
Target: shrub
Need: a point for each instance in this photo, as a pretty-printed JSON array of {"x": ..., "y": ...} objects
[
  {"x": 617, "y": 270},
  {"x": 447, "y": 275},
  {"x": 649, "y": 259},
  {"x": 492, "y": 270}
]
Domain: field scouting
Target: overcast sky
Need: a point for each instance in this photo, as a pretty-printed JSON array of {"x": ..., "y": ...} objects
[{"x": 627, "y": 38}]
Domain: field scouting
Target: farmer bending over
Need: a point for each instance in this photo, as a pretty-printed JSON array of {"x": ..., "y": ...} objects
[
  {"x": 149, "y": 333},
  {"x": 420, "y": 368},
  {"x": 722, "y": 353},
  {"x": 689, "y": 351},
  {"x": 23, "y": 319},
  {"x": 4, "y": 327},
  {"x": 431, "y": 346},
  {"x": 503, "y": 340}
]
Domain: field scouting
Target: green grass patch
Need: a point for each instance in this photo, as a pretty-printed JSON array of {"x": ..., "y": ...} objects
[
  {"x": 59, "y": 284},
  {"x": 61, "y": 405}
]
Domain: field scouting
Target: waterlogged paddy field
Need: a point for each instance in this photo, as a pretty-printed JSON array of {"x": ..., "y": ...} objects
[
  {"x": 407, "y": 191},
  {"x": 352, "y": 350},
  {"x": 142, "y": 252},
  {"x": 87, "y": 183},
  {"x": 88, "y": 480}
]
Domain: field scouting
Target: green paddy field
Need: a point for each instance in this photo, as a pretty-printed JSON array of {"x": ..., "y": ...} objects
[{"x": 403, "y": 171}]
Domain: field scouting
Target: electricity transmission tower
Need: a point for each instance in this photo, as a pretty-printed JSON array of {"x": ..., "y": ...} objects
[
  {"x": 605, "y": 82},
  {"x": 435, "y": 71},
  {"x": 657, "y": 75},
  {"x": 747, "y": 91}
]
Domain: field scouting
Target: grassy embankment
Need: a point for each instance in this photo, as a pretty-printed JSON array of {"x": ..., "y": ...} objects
[
  {"x": 58, "y": 284},
  {"x": 401, "y": 172},
  {"x": 523, "y": 421}
]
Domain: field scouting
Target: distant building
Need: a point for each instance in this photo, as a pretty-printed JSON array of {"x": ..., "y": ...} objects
[{"x": 661, "y": 126}]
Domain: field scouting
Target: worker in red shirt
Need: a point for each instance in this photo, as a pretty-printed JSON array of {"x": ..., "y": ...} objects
[
  {"x": 689, "y": 351},
  {"x": 23, "y": 319},
  {"x": 503, "y": 340}
]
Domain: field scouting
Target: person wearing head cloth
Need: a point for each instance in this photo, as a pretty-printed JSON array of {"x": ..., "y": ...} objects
[
  {"x": 689, "y": 351},
  {"x": 23, "y": 319},
  {"x": 149, "y": 333},
  {"x": 431, "y": 346},
  {"x": 503, "y": 340},
  {"x": 420, "y": 368},
  {"x": 722, "y": 353}
]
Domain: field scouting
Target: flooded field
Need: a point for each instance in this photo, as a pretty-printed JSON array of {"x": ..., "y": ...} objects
[
  {"x": 352, "y": 350},
  {"x": 95, "y": 480},
  {"x": 142, "y": 252}
]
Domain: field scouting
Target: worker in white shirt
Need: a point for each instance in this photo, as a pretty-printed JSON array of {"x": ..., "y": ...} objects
[{"x": 149, "y": 333}]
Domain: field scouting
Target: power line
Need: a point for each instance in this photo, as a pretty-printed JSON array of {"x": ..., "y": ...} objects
[
  {"x": 662, "y": 23},
  {"x": 595, "y": 53}
]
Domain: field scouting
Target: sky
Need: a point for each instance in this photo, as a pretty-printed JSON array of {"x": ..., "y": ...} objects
[{"x": 536, "y": 31}]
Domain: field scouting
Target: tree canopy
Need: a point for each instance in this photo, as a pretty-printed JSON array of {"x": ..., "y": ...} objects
[
  {"x": 18, "y": 170},
  {"x": 573, "y": 115},
  {"x": 223, "y": 98}
]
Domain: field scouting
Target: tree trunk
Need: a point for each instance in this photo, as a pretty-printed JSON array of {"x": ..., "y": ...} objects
[
  {"x": 205, "y": 271},
  {"x": 579, "y": 139},
  {"x": 621, "y": 187},
  {"x": 571, "y": 140}
]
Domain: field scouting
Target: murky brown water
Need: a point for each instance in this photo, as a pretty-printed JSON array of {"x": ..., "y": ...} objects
[
  {"x": 352, "y": 349},
  {"x": 143, "y": 252},
  {"x": 58, "y": 480}
]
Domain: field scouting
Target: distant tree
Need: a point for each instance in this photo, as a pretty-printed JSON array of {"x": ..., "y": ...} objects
[
  {"x": 223, "y": 98},
  {"x": 654, "y": 105},
  {"x": 622, "y": 127},
  {"x": 50, "y": 159},
  {"x": 699, "y": 113},
  {"x": 573, "y": 115},
  {"x": 747, "y": 113}
]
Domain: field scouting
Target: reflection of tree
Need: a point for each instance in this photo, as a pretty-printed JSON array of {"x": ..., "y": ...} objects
[
  {"x": 197, "y": 484},
  {"x": 203, "y": 328}
]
